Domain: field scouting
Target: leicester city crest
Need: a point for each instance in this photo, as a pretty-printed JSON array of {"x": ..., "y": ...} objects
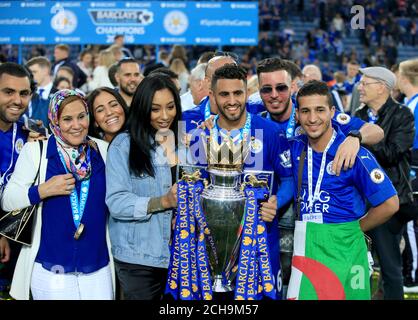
[
  {"x": 329, "y": 169},
  {"x": 64, "y": 21},
  {"x": 256, "y": 145},
  {"x": 19, "y": 145},
  {"x": 176, "y": 22},
  {"x": 299, "y": 131}
]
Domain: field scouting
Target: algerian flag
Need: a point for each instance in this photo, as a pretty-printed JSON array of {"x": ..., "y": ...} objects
[{"x": 329, "y": 262}]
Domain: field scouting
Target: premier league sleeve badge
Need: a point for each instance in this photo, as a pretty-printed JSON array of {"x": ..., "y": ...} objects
[
  {"x": 377, "y": 176},
  {"x": 343, "y": 118}
]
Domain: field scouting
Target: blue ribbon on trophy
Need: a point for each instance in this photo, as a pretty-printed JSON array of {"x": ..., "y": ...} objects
[
  {"x": 192, "y": 241},
  {"x": 254, "y": 278},
  {"x": 188, "y": 272}
]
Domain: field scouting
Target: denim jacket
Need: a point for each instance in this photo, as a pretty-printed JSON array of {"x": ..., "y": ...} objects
[{"x": 137, "y": 237}]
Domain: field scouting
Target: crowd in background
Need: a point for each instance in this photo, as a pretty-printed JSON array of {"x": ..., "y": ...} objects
[{"x": 95, "y": 71}]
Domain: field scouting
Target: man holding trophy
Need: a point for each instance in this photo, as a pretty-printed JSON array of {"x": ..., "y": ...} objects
[{"x": 236, "y": 214}]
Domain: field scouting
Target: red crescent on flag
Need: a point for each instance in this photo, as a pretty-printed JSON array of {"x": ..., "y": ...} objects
[{"x": 323, "y": 279}]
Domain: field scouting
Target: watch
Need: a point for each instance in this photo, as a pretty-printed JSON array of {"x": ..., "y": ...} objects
[{"x": 356, "y": 134}]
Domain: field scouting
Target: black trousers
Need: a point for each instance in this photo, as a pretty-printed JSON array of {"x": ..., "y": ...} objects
[
  {"x": 409, "y": 255},
  {"x": 139, "y": 282},
  {"x": 386, "y": 240}
]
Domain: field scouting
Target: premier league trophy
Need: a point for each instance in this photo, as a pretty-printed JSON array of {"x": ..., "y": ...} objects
[
  {"x": 223, "y": 203},
  {"x": 208, "y": 248}
]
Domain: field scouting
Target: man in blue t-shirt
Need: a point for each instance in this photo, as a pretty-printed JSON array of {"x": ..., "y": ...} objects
[
  {"x": 268, "y": 151},
  {"x": 324, "y": 198},
  {"x": 15, "y": 94}
]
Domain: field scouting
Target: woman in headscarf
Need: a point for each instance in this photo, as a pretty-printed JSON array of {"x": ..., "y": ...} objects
[{"x": 69, "y": 256}]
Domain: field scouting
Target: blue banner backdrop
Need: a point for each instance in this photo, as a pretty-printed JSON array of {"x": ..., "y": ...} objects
[{"x": 154, "y": 22}]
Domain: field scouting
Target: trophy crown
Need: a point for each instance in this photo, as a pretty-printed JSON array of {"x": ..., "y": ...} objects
[{"x": 227, "y": 154}]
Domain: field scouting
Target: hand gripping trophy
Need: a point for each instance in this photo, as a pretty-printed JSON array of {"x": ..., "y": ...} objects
[{"x": 219, "y": 240}]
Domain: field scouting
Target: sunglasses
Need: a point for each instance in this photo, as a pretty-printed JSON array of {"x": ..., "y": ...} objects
[
  {"x": 226, "y": 54},
  {"x": 280, "y": 88}
]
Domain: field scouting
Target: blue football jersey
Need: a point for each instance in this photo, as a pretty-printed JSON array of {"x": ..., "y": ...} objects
[
  {"x": 11, "y": 143},
  {"x": 342, "y": 198}
]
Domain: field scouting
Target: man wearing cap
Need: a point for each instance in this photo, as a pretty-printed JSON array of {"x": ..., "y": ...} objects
[{"x": 394, "y": 155}]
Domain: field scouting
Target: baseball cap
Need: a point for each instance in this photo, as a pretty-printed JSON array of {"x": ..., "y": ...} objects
[{"x": 380, "y": 73}]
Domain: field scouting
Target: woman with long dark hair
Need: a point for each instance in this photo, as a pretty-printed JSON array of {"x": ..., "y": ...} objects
[
  {"x": 141, "y": 192},
  {"x": 108, "y": 113}
]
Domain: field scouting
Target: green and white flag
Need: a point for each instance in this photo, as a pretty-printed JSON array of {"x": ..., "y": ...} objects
[{"x": 329, "y": 262}]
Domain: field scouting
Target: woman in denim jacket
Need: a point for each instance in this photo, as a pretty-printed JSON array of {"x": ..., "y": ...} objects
[{"x": 139, "y": 190}]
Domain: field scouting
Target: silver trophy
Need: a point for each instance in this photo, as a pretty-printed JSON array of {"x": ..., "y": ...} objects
[{"x": 223, "y": 203}]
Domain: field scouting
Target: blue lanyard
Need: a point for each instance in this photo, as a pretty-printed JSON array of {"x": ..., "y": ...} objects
[
  {"x": 244, "y": 132},
  {"x": 3, "y": 177},
  {"x": 77, "y": 207},
  {"x": 291, "y": 124},
  {"x": 372, "y": 118},
  {"x": 207, "y": 110}
]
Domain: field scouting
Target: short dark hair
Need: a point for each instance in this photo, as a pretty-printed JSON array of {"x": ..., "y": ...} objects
[
  {"x": 57, "y": 81},
  {"x": 206, "y": 56},
  {"x": 315, "y": 87},
  {"x": 16, "y": 70},
  {"x": 293, "y": 69},
  {"x": 164, "y": 70},
  {"x": 125, "y": 60},
  {"x": 271, "y": 65},
  {"x": 151, "y": 67},
  {"x": 84, "y": 52},
  {"x": 111, "y": 73},
  {"x": 229, "y": 71}
]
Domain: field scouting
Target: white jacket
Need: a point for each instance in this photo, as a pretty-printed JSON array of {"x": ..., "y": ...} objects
[{"x": 16, "y": 196}]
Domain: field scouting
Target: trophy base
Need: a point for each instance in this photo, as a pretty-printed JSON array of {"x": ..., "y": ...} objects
[{"x": 218, "y": 286}]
